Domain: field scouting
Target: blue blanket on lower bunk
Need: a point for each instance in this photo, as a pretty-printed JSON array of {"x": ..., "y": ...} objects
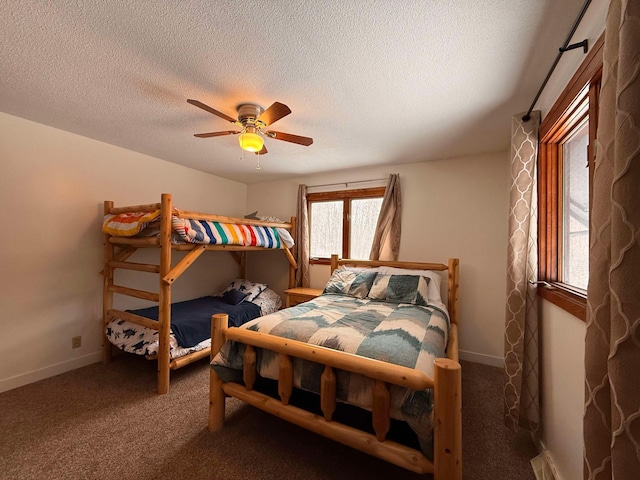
[{"x": 191, "y": 320}]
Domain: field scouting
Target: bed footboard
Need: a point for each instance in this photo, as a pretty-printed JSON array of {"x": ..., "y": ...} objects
[{"x": 446, "y": 383}]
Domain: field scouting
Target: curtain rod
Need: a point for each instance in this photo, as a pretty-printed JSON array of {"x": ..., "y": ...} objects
[
  {"x": 565, "y": 47},
  {"x": 346, "y": 184}
]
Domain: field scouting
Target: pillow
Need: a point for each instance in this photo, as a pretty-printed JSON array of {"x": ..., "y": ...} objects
[
  {"x": 347, "y": 282},
  {"x": 434, "y": 282},
  {"x": 252, "y": 289},
  {"x": 233, "y": 297},
  {"x": 400, "y": 289},
  {"x": 268, "y": 301}
]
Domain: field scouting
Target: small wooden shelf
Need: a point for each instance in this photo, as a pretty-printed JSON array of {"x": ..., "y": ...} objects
[{"x": 301, "y": 294}]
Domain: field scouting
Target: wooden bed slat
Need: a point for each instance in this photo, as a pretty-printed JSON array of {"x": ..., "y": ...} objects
[
  {"x": 132, "y": 292},
  {"x": 285, "y": 378},
  {"x": 133, "y": 318},
  {"x": 375, "y": 263},
  {"x": 249, "y": 370},
  {"x": 150, "y": 207},
  {"x": 190, "y": 358},
  {"x": 141, "y": 267},
  {"x": 381, "y": 408},
  {"x": 135, "y": 242},
  {"x": 328, "y": 392},
  {"x": 223, "y": 219}
]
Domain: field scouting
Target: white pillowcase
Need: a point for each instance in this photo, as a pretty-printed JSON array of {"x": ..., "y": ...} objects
[{"x": 268, "y": 301}]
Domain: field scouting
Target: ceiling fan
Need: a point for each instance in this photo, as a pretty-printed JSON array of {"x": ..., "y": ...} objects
[{"x": 254, "y": 120}]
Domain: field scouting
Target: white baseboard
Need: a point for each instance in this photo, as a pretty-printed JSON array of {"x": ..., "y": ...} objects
[
  {"x": 62, "y": 367},
  {"x": 50, "y": 371},
  {"x": 481, "y": 358}
]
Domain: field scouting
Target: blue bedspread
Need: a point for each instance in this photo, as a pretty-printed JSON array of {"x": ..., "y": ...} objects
[{"x": 191, "y": 320}]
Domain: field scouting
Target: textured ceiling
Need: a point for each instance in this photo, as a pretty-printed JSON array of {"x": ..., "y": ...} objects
[{"x": 373, "y": 82}]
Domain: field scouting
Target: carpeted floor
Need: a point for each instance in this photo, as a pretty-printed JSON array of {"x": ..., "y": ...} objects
[{"x": 106, "y": 422}]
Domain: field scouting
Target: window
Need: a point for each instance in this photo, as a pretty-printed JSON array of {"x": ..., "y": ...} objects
[
  {"x": 343, "y": 222},
  {"x": 565, "y": 161},
  {"x": 575, "y": 208}
]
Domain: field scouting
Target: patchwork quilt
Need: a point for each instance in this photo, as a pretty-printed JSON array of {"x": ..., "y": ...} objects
[{"x": 400, "y": 333}]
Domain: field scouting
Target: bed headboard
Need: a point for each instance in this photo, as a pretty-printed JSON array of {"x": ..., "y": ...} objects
[{"x": 452, "y": 269}]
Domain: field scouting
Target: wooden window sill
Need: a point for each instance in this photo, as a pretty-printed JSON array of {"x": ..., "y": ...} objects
[{"x": 569, "y": 301}]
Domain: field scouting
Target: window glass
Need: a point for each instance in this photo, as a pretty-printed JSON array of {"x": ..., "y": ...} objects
[
  {"x": 575, "y": 209},
  {"x": 325, "y": 228},
  {"x": 364, "y": 217}
]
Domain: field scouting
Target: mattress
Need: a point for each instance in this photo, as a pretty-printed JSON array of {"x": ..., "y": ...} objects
[{"x": 134, "y": 338}]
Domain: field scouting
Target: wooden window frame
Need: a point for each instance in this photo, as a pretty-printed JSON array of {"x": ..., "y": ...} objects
[
  {"x": 577, "y": 102},
  {"x": 346, "y": 196}
]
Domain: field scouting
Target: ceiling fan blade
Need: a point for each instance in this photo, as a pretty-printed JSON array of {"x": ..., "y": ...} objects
[
  {"x": 263, "y": 151},
  {"x": 215, "y": 134},
  {"x": 274, "y": 113},
  {"x": 211, "y": 110},
  {"x": 288, "y": 137}
]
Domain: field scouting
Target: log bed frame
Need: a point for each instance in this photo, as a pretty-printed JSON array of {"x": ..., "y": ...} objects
[
  {"x": 447, "y": 462},
  {"x": 168, "y": 274}
]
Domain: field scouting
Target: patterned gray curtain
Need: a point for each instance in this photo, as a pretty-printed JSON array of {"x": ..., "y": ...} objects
[
  {"x": 302, "y": 238},
  {"x": 521, "y": 391},
  {"x": 612, "y": 351},
  {"x": 386, "y": 239}
]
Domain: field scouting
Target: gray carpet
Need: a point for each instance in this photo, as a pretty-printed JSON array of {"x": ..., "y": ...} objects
[{"x": 106, "y": 422}]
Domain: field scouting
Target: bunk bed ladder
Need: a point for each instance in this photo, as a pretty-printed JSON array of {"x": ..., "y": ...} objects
[{"x": 166, "y": 277}]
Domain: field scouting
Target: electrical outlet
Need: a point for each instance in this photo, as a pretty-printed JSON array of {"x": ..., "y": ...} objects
[{"x": 76, "y": 342}]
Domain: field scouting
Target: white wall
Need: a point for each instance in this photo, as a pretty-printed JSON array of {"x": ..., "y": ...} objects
[
  {"x": 52, "y": 188},
  {"x": 451, "y": 208},
  {"x": 562, "y": 335}
]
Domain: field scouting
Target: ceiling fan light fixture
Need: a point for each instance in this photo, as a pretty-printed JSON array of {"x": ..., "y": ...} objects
[{"x": 251, "y": 142}]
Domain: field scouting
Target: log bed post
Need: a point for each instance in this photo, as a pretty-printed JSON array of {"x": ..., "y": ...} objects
[
  {"x": 107, "y": 294},
  {"x": 292, "y": 270},
  {"x": 219, "y": 325},
  {"x": 448, "y": 420},
  {"x": 164, "y": 300}
]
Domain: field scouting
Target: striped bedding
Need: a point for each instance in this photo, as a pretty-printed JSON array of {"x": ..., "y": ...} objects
[
  {"x": 198, "y": 231},
  {"x": 217, "y": 233},
  {"x": 403, "y": 334}
]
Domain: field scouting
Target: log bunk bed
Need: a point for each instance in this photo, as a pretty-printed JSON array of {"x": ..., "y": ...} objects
[
  {"x": 251, "y": 343},
  {"x": 117, "y": 249}
]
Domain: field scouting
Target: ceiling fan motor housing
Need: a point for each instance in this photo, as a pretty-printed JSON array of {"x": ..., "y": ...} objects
[{"x": 248, "y": 113}]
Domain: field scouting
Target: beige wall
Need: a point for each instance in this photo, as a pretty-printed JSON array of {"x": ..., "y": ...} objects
[
  {"x": 52, "y": 189},
  {"x": 562, "y": 335},
  {"x": 451, "y": 208}
]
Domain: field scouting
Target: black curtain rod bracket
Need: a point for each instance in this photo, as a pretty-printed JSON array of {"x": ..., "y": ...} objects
[{"x": 584, "y": 44}]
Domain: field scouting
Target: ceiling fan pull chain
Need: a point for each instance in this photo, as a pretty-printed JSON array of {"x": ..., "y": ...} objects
[{"x": 258, "y": 166}]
